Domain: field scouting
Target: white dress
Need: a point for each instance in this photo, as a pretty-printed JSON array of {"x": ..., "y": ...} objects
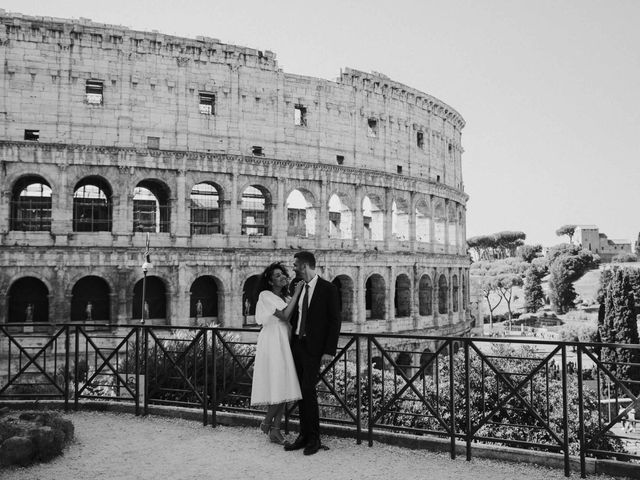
[{"x": 274, "y": 373}]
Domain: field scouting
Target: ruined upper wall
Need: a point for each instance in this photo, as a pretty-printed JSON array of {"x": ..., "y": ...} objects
[{"x": 152, "y": 85}]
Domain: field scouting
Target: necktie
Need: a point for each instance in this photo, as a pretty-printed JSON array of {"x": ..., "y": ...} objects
[{"x": 304, "y": 312}]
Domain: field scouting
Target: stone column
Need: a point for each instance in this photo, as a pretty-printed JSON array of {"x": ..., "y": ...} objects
[
  {"x": 280, "y": 215},
  {"x": 183, "y": 219},
  {"x": 358, "y": 226},
  {"x": 412, "y": 221},
  {"x": 322, "y": 221},
  {"x": 447, "y": 240},
  {"x": 432, "y": 226},
  {"x": 388, "y": 203}
]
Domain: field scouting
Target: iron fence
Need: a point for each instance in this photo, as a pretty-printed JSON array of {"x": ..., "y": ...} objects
[{"x": 563, "y": 397}]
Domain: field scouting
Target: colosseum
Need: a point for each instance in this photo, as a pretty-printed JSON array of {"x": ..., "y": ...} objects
[{"x": 225, "y": 163}]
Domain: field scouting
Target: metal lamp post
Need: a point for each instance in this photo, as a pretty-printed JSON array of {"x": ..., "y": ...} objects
[{"x": 146, "y": 266}]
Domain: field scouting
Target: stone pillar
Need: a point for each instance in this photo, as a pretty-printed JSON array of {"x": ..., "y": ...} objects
[
  {"x": 447, "y": 240},
  {"x": 125, "y": 297},
  {"x": 432, "y": 227},
  {"x": 358, "y": 226},
  {"x": 5, "y": 207},
  {"x": 183, "y": 218},
  {"x": 387, "y": 228},
  {"x": 280, "y": 218},
  {"x": 434, "y": 297},
  {"x": 412, "y": 221},
  {"x": 61, "y": 212},
  {"x": 4, "y": 310},
  {"x": 450, "y": 296},
  {"x": 322, "y": 221},
  {"x": 232, "y": 215}
]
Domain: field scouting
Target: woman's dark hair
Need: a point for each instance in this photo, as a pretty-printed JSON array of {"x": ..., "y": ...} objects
[{"x": 265, "y": 278}]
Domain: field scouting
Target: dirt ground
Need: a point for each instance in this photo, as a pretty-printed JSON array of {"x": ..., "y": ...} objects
[{"x": 122, "y": 446}]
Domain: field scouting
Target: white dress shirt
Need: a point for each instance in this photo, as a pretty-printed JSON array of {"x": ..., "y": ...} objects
[{"x": 312, "y": 287}]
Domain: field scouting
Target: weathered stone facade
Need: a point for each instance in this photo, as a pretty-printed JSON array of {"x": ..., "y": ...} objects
[{"x": 205, "y": 145}]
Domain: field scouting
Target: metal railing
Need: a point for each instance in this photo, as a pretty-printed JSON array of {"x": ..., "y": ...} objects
[{"x": 563, "y": 397}]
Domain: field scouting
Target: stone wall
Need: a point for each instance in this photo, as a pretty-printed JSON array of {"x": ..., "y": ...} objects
[{"x": 356, "y": 139}]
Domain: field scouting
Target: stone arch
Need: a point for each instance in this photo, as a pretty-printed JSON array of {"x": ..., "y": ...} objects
[
  {"x": 92, "y": 205},
  {"x": 455, "y": 291},
  {"x": 255, "y": 206},
  {"x": 91, "y": 300},
  {"x": 423, "y": 221},
  {"x": 403, "y": 362},
  {"x": 302, "y": 213},
  {"x": 400, "y": 219},
  {"x": 340, "y": 218},
  {"x": 31, "y": 204},
  {"x": 402, "y": 297},
  {"x": 345, "y": 287},
  {"x": 205, "y": 294},
  {"x": 205, "y": 200},
  {"x": 375, "y": 297},
  {"x": 28, "y": 301},
  {"x": 425, "y": 295},
  {"x": 250, "y": 298},
  {"x": 373, "y": 217},
  {"x": 155, "y": 299},
  {"x": 151, "y": 206},
  {"x": 443, "y": 295}
]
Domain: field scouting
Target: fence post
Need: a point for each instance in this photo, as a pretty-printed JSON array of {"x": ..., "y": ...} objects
[
  {"x": 565, "y": 412},
  {"x": 358, "y": 393},
  {"x": 467, "y": 393},
  {"x": 137, "y": 370},
  {"x": 214, "y": 382},
  {"x": 75, "y": 368},
  {"x": 370, "y": 388},
  {"x": 205, "y": 392},
  {"x": 452, "y": 405},
  {"x": 66, "y": 368},
  {"x": 145, "y": 359},
  {"x": 581, "y": 438}
]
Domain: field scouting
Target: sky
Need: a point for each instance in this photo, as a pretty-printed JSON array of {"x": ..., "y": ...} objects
[{"x": 549, "y": 90}]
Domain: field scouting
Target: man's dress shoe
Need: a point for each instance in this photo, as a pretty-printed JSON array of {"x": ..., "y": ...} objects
[
  {"x": 312, "y": 447},
  {"x": 297, "y": 444}
]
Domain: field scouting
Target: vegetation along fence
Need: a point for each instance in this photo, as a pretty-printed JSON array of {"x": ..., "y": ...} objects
[{"x": 563, "y": 397}]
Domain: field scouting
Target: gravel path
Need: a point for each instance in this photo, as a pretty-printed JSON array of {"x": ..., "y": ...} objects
[{"x": 122, "y": 446}]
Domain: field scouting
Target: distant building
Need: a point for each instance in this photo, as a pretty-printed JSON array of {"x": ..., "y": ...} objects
[{"x": 590, "y": 238}]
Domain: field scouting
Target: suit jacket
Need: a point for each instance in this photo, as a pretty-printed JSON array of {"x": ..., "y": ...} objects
[{"x": 323, "y": 319}]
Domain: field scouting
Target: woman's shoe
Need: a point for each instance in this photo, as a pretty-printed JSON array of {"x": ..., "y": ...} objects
[
  {"x": 276, "y": 436},
  {"x": 265, "y": 427}
]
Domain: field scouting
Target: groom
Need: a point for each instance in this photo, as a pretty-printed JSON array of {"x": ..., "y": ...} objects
[{"x": 316, "y": 327}]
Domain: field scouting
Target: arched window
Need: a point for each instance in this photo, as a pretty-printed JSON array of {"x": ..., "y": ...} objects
[
  {"x": 28, "y": 299},
  {"x": 205, "y": 209},
  {"x": 400, "y": 220},
  {"x": 92, "y": 206},
  {"x": 90, "y": 300},
  {"x": 344, "y": 284},
  {"x": 425, "y": 296},
  {"x": 443, "y": 295},
  {"x": 204, "y": 298},
  {"x": 301, "y": 215},
  {"x": 31, "y": 205},
  {"x": 423, "y": 222},
  {"x": 402, "y": 298},
  {"x": 151, "y": 207},
  {"x": 340, "y": 219},
  {"x": 373, "y": 218},
  {"x": 255, "y": 211},
  {"x": 155, "y": 303},
  {"x": 375, "y": 297},
  {"x": 455, "y": 292}
]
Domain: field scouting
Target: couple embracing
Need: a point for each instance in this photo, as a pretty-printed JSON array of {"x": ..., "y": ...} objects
[{"x": 300, "y": 329}]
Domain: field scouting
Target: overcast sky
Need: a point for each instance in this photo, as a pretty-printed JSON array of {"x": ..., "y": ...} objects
[{"x": 550, "y": 90}]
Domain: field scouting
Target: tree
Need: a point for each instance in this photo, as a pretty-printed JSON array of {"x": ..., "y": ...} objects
[
  {"x": 617, "y": 323},
  {"x": 561, "y": 291},
  {"x": 567, "y": 230},
  {"x": 496, "y": 246},
  {"x": 533, "y": 294},
  {"x": 528, "y": 253},
  {"x": 505, "y": 283}
]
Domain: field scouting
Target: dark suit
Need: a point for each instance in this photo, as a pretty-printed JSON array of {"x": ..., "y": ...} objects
[{"x": 322, "y": 332}]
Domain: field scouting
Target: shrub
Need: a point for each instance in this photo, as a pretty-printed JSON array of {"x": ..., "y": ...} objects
[{"x": 624, "y": 258}]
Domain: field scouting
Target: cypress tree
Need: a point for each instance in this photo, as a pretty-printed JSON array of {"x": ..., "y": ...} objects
[
  {"x": 617, "y": 323},
  {"x": 533, "y": 294}
]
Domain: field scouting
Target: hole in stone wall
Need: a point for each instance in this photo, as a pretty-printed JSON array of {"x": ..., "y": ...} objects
[
  {"x": 32, "y": 135},
  {"x": 339, "y": 159}
]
